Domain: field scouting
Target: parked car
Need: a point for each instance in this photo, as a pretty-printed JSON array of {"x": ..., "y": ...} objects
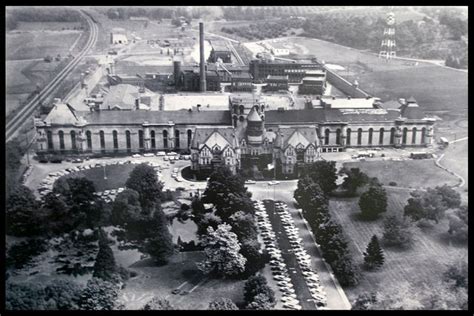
[
  {"x": 77, "y": 160},
  {"x": 56, "y": 159},
  {"x": 160, "y": 154},
  {"x": 250, "y": 182}
]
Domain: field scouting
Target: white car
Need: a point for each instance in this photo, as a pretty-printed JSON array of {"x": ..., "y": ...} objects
[
  {"x": 273, "y": 183},
  {"x": 171, "y": 153},
  {"x": 250, "y": 182},
  {"x": 166, "y": 158},
  {"x": 160, "y": 154},
  {"x": 136, "y": 156},
  {"x": 148, "y": 155}
]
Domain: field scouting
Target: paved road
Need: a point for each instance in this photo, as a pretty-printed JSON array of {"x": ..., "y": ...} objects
[
  {"x": 297, "y": 279},
  {"x": 19, "y": 119},
  {"x": 284, "y": 192}
]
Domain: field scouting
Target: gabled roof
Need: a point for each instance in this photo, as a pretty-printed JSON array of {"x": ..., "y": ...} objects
[
  {"x": 294, "y": 136},
  {"x": 62, "y": 114},
  {"x": 222, "y": 136},
  {"x": 123, "y": 95}
]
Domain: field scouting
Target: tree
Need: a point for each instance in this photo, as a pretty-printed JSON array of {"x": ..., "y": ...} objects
[
  {"x": 222, "y": 303},
  {"x": 126, "y": 207},
  {"x": 99, "y": 295},
  {"x": 105, "y": 267},
  {"x": 25, "y": 296},
  {"x": 144, "y": 180},
  {"x": 207, "y": 220},
  {"x": 63, "y": 293},
  {"x": 257, "y": 285},
  {"x": 160, "y": 245},
  {"x": 158, "y": 304},
  {"x": 58, "y": 216},
  {"x": 428, "y": 205},
  {"x": 373, "y": 256},
  {"x": 458, "y": 224},
  {"x": 309, "y": 195},
  {"x": 324, "y": 173},
  {"x": 373, "y": 202},
  {"x": 457, "y": 274},
  {"x": 450, "y": 197},
  {"x": 261, "y": 302},
  {"x": 22, "y": 215},
  {"x": 243, "y": 225},
  {"x": 345, "y": 270},
  {"x": 222, "y": 247},
  {"x": 251, "y": 251},
  {"x": 398, "y": 231},
  {"x": 355, "y": 179}
]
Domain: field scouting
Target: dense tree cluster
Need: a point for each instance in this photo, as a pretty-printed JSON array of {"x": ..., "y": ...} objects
[
  {"x": 222, "y": 304},
  {"x": 144, "y": 180},
  {"x": 257, "y": 294},
  {"x": 314, "y": 204},
  {"x": 354, "y": 180},
  {"x": 432, "y": 204},
  {"x": 233, "y": 206},
  {"x": 458, "y": 224},
  {"x": 157, "y": 303}
]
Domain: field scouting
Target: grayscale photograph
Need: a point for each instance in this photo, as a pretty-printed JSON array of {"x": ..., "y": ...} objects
[{"x": 236, "y": 158}]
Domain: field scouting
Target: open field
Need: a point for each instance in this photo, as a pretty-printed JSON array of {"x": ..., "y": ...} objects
[
  {"x": 48, "y": 26},
  {"x": 424, "y": 262},
  {"x": 28, "y": 45},
  {"x": 406, "y": 173}
]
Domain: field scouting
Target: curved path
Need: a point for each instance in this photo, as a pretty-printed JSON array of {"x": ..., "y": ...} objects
[{"x": 17, "y": 121}]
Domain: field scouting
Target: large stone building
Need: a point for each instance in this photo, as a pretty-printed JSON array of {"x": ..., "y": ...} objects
[{"x": 290, "y": 138}]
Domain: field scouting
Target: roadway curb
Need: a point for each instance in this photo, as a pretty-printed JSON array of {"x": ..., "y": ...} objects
[
  {"x": 461, "y": 179},
  {"x": 331, "y": 273}
]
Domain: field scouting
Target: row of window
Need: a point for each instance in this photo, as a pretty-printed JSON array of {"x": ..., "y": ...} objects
[
  {"x": 141, "y": 143},
  {"x": 381, "y": 136}
]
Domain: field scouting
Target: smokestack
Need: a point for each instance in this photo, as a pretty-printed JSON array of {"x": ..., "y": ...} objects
[
  {"x": 202, "y": 75},
  {"x": 176, "y": 73}
]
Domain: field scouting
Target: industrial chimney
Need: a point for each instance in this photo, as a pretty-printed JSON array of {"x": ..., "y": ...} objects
[
  {"x": 202, "y": 75},
  {"x": 176, "y": 73}
]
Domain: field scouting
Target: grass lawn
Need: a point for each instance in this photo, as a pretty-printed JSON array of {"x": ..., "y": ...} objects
[
  {"x": 181, "y": 271},
  {"x": 425, "y": 261},
  {"x": 417, "y": 173},
  {"x": 117, "y": 175},
  {"x": 435, "y": 88},
  {"x": 456, "y": 159},
  {"x": 27, "y": 45}
]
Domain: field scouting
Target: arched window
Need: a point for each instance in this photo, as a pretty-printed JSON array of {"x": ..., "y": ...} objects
[
  {"x": 176, "y": 139},
  {"x": 371, "y": 133},
  {"x": 190, "y": 137},
  {"x": 263, "y": 107},
  {"x": 348, "y": 138},
  {"x": 381, "y": 136},
  {"x": 326, "y": 136},
  {"x": 128, "y": 141},
  {"x": 404, "y": 136},
  {"x": 359, "y": 136},
  {"x": 236, "y": 109},
  {"x": 114, "y": 135},
  {"x": 423, "y": 135},
  {"x": 89, "y": 140},
  {"x": 235, "y": 118},
  {"x": 338, "y": 136},
  {"x": 141, "y": 145},
  {"x": 152, "y": 140},
  {"x": 61, "y": 140},
  {"x": 73, "y": 140},
  {"x": 241, "y": 118},
  {"x": 165, "y": 139},
  {"x": 49, "y": 136},
  {"x": 392, "y": 136},
  {"x": 241, "y": 108},
  {"x": 413, "y": 136},
  {"x": 102, "y": 141}
]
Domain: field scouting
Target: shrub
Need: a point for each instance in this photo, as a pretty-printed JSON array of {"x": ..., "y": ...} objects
[{"x": 21, "y": 254}]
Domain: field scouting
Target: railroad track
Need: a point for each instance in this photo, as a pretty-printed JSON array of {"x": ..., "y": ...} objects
[{"x": 17, "y": 121}]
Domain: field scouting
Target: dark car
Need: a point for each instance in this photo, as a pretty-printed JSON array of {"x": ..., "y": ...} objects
[
  {"x": 43, "y": 159},
  {"x": 56, "y": 159}
]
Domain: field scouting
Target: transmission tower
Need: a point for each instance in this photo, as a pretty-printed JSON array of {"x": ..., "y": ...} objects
[{"x": 388, "y": 46}]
